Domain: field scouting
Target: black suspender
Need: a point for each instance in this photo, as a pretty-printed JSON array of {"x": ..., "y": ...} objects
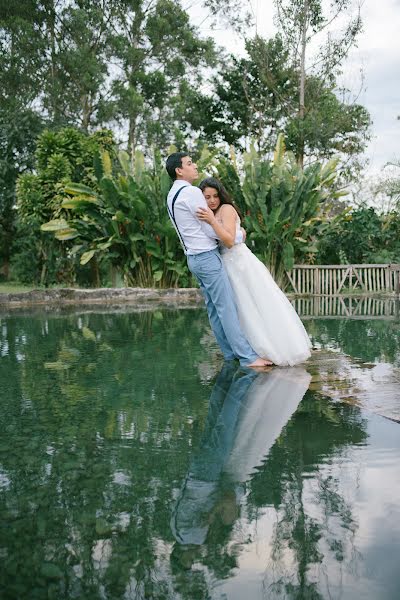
[{"x": 172, "y": 214}]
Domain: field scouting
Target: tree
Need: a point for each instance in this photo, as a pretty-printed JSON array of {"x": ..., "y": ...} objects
[
  {"x": 62, "y": 50},
  {"x": 300, "y": 22},
  {"x": 256, "y": 96},
  {"x": 251, "y": 98},
  {"x": 287, "y": 209},
  {"x": 60, "y": 157},
  {"x": 363, "y": 236},
  {"x": 159, "y": 56},
  {"x": 75, "y": 41},
  {"x": 389, "y": 184},
  {"x": 20, "y": 123},
  {"x": 115, "y": 221}
]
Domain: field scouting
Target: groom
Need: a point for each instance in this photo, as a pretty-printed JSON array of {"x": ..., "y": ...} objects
[{"x": 204, "y": 261}]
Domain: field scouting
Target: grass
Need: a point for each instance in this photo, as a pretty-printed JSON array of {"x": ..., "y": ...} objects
[{"x": 15, "y": 288}]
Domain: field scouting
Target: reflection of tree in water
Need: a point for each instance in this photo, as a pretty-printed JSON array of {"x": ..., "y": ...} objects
[
  {"x": 314, "y": 521},
  {"x": 292, "y": 480},
  {"x": 102, "y": 425},
  {"x": 91, "y": 407},
  {"x": 366, "y": 339},
  {"x": 246, "y": 413}
]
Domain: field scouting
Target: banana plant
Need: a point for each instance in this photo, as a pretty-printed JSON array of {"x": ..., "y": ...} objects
[
  {"x": 287, "y": 209},
  {"x": 124, "y": 222}
]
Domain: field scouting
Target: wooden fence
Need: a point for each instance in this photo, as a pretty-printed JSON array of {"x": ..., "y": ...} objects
[
  {"x": 336, "y": 307},
  {"x": 332, "y": 280}
]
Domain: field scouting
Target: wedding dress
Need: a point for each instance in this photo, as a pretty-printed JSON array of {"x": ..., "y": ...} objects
[
  {"x": 268, "y": 320},
  {"x": 246, "y": 415}
]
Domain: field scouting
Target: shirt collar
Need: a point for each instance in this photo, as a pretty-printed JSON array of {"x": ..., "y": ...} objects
[{"x": 178, "y": 183}]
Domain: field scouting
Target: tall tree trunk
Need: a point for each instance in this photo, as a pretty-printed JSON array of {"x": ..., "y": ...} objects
[
  {"x": 6, "y": 268},
  {"x": 51, "y": 22},
  {"x": 86, "y": 112},
  {"x": 302, "y": 84}
]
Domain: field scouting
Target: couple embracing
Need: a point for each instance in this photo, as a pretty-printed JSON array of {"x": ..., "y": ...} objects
[{"x": 250, "y": 316}]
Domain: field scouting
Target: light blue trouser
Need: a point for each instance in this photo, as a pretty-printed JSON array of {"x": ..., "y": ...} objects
[{"x": 209, "y": 270}]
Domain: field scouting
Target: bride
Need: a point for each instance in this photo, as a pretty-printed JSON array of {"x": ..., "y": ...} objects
[{"x": 268, "y": 319}]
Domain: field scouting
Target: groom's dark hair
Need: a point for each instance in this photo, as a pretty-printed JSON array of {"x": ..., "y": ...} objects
[{"x": 174, "y": 161}]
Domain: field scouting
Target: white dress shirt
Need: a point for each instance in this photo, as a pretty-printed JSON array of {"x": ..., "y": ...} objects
[{"x": 198, "y": 236}]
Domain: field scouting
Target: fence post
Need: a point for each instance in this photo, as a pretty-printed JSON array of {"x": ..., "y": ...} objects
[
  {"x": 316, "y": 281},
  {"x": 324, "y": 279}
]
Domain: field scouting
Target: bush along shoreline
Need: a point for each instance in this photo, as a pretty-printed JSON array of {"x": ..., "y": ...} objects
[{"x": 89, "y": 216}]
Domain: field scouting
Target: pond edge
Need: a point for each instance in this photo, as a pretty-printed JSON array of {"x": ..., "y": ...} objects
[{"x": 76, "y": 296}]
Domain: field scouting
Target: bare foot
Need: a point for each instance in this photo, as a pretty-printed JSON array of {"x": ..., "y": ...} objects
[
  {"x": 260, "y": 363},
  {"x": 268, "y": 362}
]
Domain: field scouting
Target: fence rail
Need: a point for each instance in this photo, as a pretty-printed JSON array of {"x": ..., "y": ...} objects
[
  {"x": 332, "y": 280},
  {"x": 337, "y": 307}
]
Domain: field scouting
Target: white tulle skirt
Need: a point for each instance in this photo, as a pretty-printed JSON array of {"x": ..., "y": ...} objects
[{"x": 269, "y": 321}]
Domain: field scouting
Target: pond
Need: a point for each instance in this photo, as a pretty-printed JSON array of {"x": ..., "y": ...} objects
[{"x": 135, "y": 464}]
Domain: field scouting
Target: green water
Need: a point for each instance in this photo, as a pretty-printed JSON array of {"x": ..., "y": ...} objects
[{"x": 134, "y": 464}]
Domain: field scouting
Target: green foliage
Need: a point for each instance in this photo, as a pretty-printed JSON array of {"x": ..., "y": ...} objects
[
  {"x": 87, "y": 64},
  {"x": 286, "y": 209},
  {"x": 250, "y": 98},
  {"x": 19, "y": 122},
  {"x": 255, "y": 96},
  {"x": 160, "y": 56},
  {"x": 363, "y": 237},
  {"x": 60, "y": 156},
  {"x": 123, "y": 219},
  {"x": 114, "y": 214},
  {"x": 329, "y": 126},
  {"x": 307, "y": 24},
  {"x": 18, "y": 129},
  {"x": 139, "y": 65},
  {"x": 101, "y": 418}
]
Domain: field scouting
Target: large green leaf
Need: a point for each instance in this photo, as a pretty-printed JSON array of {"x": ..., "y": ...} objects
[
  {"x": 157, "y": 276},
  {"x": 78, "y": 202},
  {"x": 106, "y": 163},
  {"x": 125, "y": 162},
  {"x": 66, "y": 234},
  {"x": 54, "y": 225},
  {"x": 87, "y": 256},
  {"x": 79, "y": 188}
]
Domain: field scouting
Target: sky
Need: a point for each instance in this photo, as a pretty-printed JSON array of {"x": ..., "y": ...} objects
[{"x": 377, "y": 56}]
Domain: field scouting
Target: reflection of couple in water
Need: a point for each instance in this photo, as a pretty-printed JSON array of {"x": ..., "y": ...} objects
[
  {"x": 247, "y": 412},
  {"x": 250, "y": 316}
]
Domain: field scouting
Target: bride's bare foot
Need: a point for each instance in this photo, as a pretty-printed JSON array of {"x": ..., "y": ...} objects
[
  {"x": 268, "y": 363},
  {"x": 259, "y": 363}
]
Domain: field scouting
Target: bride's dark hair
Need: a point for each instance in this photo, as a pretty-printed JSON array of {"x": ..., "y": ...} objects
[{"x": 223, "y": 195}]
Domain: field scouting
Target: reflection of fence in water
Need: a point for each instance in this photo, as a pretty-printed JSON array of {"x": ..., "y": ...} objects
[
  {"x": 339, "y": 306},
  {"x": 334, "y": 279}
]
